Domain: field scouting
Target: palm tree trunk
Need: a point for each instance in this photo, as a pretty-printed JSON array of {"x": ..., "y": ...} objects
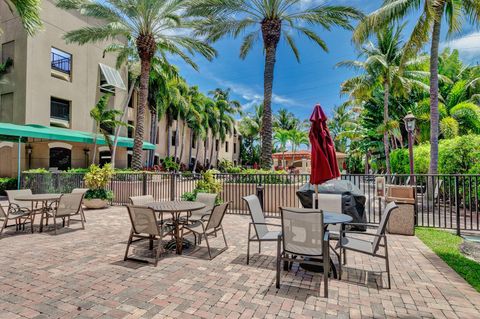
[
  {"x": 196, "y": 156},
  {"x": 271, "y": 30},
  {"x": 205, "y": 152},
  {"x": 176, "y": 137},
  {"x": 283, "y": 157},
  {"x": 137, "y": 158},
  {"x": 294, "y": 150},
  {"x": 94, "y": 157},
  {"x": 386, "y": 93},
  {"x": 169, "y": 137},
  {"x": 183, "y": 141},
  {"x": 434, "y": 114},
  {"x": 211, "y": 151},
  {"x": 153, "y": 135},
  {"x": 122, "y": 118},
  {"x": 191, "y": 147}
]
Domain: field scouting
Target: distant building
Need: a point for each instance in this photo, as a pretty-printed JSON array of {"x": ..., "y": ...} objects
[
  {"x": 301, "y": 160},
  {"x": 52, "y": 84}
]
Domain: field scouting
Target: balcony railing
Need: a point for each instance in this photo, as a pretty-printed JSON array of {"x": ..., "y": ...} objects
[
  {"x": 59, "y": 111},
  {"x": 60, "y": 63}
]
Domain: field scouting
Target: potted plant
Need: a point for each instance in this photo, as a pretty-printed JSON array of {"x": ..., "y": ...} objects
[
  {"x": 207, "y": 184},
  {"x": 96, "y": 180}
]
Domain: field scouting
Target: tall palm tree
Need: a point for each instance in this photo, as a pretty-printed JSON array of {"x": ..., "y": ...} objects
[
  {"x": 152, "y": 25},
  {"x": 271, "y": 19},
  {"x": 28, "y": 12},
  {"x": 105, "y": 123},
  {"x": 282, "y": 137},
  {"x": 427, "y": 28},
  {"x": 224, "y": 94},
  {"x": 382, "y": 67},
  {"x": 194, "y": 100},
  {"x": 211, "y": 125},
  {"x": 343, "y": 120},
  {"x": 297, "y": 138},
  {"x": 285, "y": 120},
  {"x": 250, "y": 128}
]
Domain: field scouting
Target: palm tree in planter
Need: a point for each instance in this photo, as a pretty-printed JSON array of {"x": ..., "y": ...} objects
[
  {"x": 96, "y": 180},
  {"x": 427, "y": 29},
  {"x": 154, "y": 26},
  {"x": 268, "y": 20},
  {"x": 105, "y": 123}
]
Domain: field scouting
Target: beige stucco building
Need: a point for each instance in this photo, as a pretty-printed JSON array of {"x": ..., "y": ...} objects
[{"x": 52, "y": 83}]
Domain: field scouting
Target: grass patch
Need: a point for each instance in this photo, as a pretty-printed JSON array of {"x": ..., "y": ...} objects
[{"x": 446, "y": 246}]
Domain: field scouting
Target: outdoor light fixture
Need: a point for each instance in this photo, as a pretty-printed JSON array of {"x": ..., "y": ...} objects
[
  {"x": 409, "y": 120},
  {"x": 29, "y": 149}
]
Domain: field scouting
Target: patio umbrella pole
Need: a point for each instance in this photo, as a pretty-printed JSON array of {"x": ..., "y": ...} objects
[{"x": 316, "y": 198}]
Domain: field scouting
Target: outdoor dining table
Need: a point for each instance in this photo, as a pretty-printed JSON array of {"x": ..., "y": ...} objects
[
  {"x": 176, "y": 209},
  {"x": 44, "y": 199}
]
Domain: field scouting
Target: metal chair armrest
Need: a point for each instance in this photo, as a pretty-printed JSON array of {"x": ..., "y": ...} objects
[
  {"x": 359, "y": 233},
  {"x": 267, "y": 224},
  {"x": 364, "y": 224}
]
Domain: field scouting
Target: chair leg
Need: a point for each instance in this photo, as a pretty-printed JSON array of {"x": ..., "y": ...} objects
[
  {"x": 387, "y": 262},
  {"x": 259, "y": 247},
  {"x": 248, "y": 251},
  {"x": 340, "y": 264},
  {"x": 279, "y": 243},
  {"x": 344, "y": 257},
  {"x": 83, "y": 214},
  {"x": 32, "y": 221},
  {"x": 326, "y": 272},
  {"x": 208, "y": 246},
  {"x": 82, "y": 221},
  {"x": 128, "y": 245},
  {"x": 54, "y": 224},
  {"x": 224, "y": 238},
  {"x": 4, "y": 224},
  {"x": 159, "y": 250}
]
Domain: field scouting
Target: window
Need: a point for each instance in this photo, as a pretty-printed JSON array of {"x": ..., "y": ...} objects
[
  {"x": 226, "y": 147},
  {"x": 174, "y": 138},
  {"x": 6, "y": 107},
  {"x": 60, "y": 158},
  {"x": 194, "y": 139},
  {"x": 216, "y": 145},
  {"x": 110, "y": 79},
  {"x": 130, "y": 102},
  {"x": 130, "y": 129},
  {"x": 234, "y": 148},
  {"x": 59, "y": 109},
  {"x": 104, "y": 158},
  {"x": 61, "y": 61},
  {"x": 8, "y": 52}
]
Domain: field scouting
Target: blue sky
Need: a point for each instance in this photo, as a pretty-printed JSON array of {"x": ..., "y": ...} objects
[{"x": 297, "y": 86}]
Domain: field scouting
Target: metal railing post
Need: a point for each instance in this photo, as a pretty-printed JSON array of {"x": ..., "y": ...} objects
[
  {"x": 260, "y": 191},
  {"x": 173, "y": 177},
  {"x": 457, "y": 205}
]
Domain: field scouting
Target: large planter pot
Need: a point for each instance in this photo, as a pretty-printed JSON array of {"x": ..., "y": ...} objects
[{"x": 95, "y": 203}]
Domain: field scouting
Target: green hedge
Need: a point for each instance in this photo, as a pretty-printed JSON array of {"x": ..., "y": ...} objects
[
  {"x": 460, "y": 155},
  {"x": 7, "y": 183}
]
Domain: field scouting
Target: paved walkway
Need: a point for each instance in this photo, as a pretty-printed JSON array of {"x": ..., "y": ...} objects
[{"x": 82, "y": 274}]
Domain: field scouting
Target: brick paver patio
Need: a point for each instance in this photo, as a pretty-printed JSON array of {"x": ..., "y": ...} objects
[{"x": 82, "y": 274}]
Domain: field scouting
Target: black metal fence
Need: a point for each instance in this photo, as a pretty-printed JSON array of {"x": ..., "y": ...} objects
[{"x": 443, "y": 201}]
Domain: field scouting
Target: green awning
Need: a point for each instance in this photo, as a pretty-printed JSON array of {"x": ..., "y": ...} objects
[{"x": 10, "y": 130}]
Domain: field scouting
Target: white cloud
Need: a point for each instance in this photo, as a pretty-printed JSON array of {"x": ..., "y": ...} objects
[{"x": 468, "y": 46}]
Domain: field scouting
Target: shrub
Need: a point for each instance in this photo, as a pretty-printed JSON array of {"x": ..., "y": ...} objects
[
  {"x": 98, "y": 178},
  {"x": 7, "y": 183},
  {"x": 38, "y": 171},
  {"x": 208, "y": 184},
  {"x": 169, "y": 164},
  {"x": 102, "y": 194}
]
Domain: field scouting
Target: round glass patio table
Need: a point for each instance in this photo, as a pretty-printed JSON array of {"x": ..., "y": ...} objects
[
  {"x": 329, "y": 219},
  {"x": 44, "y": 199},
  {"x": 176, "y": 208}
]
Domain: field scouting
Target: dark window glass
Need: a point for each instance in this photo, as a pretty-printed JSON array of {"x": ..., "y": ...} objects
[
  {"x": 105, "y": 157},
  {"x": 174, "y": 137},
  {"x": 61, "y": 61},
  {"x": 234, "y": 148},
  {"x": 226, "y": 147},
  {"x": 59, "y": 109},
  {"x": 8, "y": 53},
  {"x": 216, "y": 145},
  {"x": 130, "y": 129},
  {"x": 60, "y": 158},
  {"x": 193, "y": 141}
]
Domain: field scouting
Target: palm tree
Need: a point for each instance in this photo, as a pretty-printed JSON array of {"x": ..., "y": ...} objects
[
  {"x": 282, "y": 137},
  {"x": 152, "y": 25},
  {"x": 105, "y": 123},
  {"x": 192, "y": 114},
  {"x": 211, "y": 126},
  {"x": 382, "y": 67},
  {"x": 343, "y": 120},
  {"x": 271, "y": 19},
  {"x": 197, "y": 122},
  {"x": 427, "y": 27},
  {"x": 224, "y": 94},
  {"x": 285, "y": 120},
  {"x": 29, "y": 13},
  {"x": 297, "y": 138},
  {"x": 250, "y": 127}
]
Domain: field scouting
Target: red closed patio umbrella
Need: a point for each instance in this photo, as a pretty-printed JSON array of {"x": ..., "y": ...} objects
[{"x": 323, "y": 159}]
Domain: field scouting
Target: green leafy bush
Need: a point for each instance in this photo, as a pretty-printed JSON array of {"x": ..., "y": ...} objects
[
  {"x": 261, "y": 176},
  {"x": 208, "y": 184},
  {"x": 102, "y": 194},
  {"x": 170, "y": 164},
  {"x": 97, "y": 180},
  {"x": 37, "y": 171},
  {"x": 7, "y": 183}
]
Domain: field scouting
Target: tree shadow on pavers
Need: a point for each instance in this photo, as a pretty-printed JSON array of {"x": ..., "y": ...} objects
[
  {"x": 256, "y": 261},
  {"x": 365, "y": 278}
]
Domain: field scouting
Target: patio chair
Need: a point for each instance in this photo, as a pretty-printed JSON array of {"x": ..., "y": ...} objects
[
  {"x": 331, "y": 203},
  {"x": 18, "y": 205},
  {"x": 209, "y": 201},
  {"x": 145, "y": 226},
  {"x": 81, "y": 191},
  {"x": 68, "y": 206},
  {"x": 141, "y": 200},
  {"x": 17, "y": 215},
  {"x": 303, "y": 240},
  {"x": 212, "y": 226},
  {"x": 262, "y": 233},
  {"x": 371, "y": 242}
]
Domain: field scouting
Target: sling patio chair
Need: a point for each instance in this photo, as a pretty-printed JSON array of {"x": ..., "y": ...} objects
[
  {"x": 16, "y": 204},
  {"x": 81, "y": 191},
  {"x": 144, "y": 201},
  {"x": 20, "y": 216},
  {"x": 304, "y": 240},
  {"x": 368, "y": 243},
  {"x": 206, "y": 228},
  {"x": 262, "y": 233},
  {"x": 202, "y": 214},
  {"x": 67, "y": 206},
  {"x": 145, "y": 225}
]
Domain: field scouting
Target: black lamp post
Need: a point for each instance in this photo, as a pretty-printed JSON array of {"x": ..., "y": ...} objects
[{"x": 409, "y": 120}]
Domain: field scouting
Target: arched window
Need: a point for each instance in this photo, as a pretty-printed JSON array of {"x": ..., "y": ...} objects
[{"x": 60, "y": 158}]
